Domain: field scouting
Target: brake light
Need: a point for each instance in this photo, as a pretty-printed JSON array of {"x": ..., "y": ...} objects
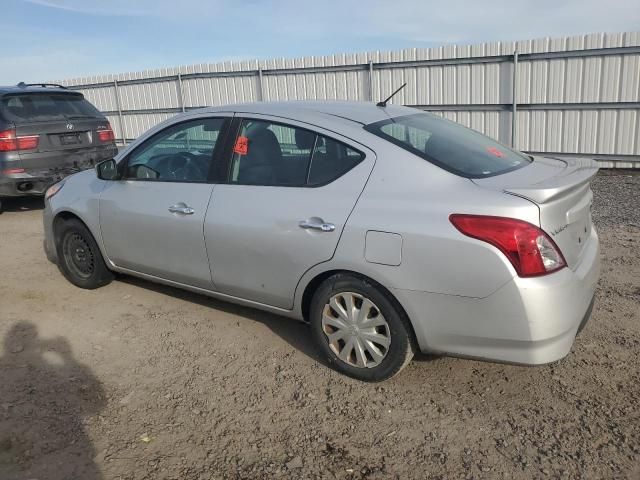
[
  {"x": 529, "y": 249},
  {"x": 9, "y": 142},
  {"x": 106, "y": 135},
  {"x": 28, "y": 142}
]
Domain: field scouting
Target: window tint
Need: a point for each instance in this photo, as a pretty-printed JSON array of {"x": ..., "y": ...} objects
[
  {"x": 37, "y": 107},
  {"x": 449, "y": 145},
  {"x": 331, "y": 160},
  {"x": 180, "y": 153},
  {"x": 269, "y": 153}
]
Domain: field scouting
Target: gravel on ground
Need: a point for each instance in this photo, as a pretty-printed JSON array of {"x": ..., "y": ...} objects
[{"x": 140, "y": 381}]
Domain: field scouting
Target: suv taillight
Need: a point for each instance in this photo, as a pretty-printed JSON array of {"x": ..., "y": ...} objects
[
  {"x": 529, "y": 249},
  {"x": 106, "y": 135},
  {"x": 9, "y": 142}
]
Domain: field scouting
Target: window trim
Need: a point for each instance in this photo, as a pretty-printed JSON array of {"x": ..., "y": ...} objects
[
  {"x": 375, "y": 129},
  {"x": 216, "y": 155},
  {"x": 234, "y": 131}
]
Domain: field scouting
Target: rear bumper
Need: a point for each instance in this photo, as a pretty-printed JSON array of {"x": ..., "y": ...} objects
[
  {"x": 35, "y": 181},
  {"x": 26, "y": 185},
  {"x": 528, "y": 321}
]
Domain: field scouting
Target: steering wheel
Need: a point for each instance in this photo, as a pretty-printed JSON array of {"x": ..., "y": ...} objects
[{"x": 181, "y": 166}]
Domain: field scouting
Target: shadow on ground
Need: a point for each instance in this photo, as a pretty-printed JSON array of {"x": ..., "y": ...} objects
[
  {"x": 295, "y": 333},
  {"x": 44, "y": 395},
  {"x": 21, "y": 204}
]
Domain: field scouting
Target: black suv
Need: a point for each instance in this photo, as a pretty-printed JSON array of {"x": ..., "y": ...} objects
[{"x": 46, "y": 133}]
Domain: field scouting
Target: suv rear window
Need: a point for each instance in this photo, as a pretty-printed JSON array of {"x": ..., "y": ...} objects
[
  {"x": 449, "y": 145},
  {"x": 41, "y": 107}
]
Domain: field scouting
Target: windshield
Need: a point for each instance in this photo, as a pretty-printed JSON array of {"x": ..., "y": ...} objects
[
  {"x": 42, "y": 107},
  {"x": 449, "y": 145}
]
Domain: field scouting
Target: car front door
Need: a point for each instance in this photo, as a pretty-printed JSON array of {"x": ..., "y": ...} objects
[
  {"x": 289, "y": 193},
  {"x": 152, "y": 217}
]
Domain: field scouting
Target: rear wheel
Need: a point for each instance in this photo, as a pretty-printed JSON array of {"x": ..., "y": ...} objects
[
  {"x": 79, "y": 258},
  {"x": 360, "y": 329}
]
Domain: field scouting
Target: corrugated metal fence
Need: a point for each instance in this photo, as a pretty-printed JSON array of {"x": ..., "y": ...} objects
[{"x": 573, "y": 96}]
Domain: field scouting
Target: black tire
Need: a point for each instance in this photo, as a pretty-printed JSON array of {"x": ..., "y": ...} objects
[
  {"x": 79, "y": 258},
  {"x": 402, "y": 346}
]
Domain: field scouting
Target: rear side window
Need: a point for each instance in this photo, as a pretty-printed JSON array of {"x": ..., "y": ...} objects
[
  {"x": 274, "y": 154},
  {"x": 41, "y": 107},
  {"x": 331, "y": 160},
  {"x": 449, "y": 145}
]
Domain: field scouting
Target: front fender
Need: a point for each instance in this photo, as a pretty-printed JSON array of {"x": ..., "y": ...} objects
[{"x": 80, "y": 197}]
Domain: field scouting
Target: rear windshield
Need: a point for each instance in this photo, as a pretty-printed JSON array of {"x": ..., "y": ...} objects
[
  {"x": 41, "y": 107},
  {"x": 449, "y": 145}
]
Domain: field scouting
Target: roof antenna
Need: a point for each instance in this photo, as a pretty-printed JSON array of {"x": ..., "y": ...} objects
[{"x": 384, "y": 102}]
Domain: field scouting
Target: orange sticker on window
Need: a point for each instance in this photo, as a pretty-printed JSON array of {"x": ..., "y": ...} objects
[
  {"x": 494, "y": 151},
  {"x": 242, "y": 146}
]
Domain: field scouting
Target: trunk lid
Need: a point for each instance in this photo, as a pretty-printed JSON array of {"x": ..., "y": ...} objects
[
  {"x": 59, "y": 137},
  {"x": 561, "y": 190}
]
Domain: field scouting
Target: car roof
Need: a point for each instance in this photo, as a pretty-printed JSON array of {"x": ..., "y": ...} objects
[
  {"x": 34, "y": 89},
  {"x": 319, "y": 112}
]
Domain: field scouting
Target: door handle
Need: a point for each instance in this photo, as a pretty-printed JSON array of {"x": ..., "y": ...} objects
[
  {"x": 316, "y": 223},
  {"x": 182, "y": 209}
]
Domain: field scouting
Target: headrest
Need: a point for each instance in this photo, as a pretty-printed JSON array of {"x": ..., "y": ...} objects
[{"x": 305, "y": 139}]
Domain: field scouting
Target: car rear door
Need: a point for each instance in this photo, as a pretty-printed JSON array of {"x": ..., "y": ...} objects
[
  {"x": 290, "y": 191},
  {"x": 152, "y": 219},
  {"x": 66, "y": 127}
]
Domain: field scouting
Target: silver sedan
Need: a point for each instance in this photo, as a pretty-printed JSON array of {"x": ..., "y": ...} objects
[{"x": 388, "y": 230}]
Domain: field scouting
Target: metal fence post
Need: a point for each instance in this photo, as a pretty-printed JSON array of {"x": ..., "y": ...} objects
[
  {"x": 180, "y": 93},
  {"x": 514, "y": 98},
  {"x": 260, "y": 87},
  {"x": 123, "y": 130},
  {"x": 370, "y": 81}
]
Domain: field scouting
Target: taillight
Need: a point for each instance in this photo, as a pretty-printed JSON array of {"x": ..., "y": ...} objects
[
  {"x": 9, "y": 142},
  {"x": 106, "y": 135},
  {"x": 529, "y": 249}
]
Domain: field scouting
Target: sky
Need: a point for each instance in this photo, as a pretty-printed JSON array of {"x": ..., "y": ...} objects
[{"x": 58, "y": 39}]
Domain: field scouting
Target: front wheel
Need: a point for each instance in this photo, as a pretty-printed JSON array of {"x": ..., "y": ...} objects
[
  {"x": 360, "y": 329},
  {"x": 79, "y": 258}
]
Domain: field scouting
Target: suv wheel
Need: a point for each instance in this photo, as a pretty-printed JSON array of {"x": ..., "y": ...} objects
[
  {"x": 360, "y": 329},
  {"x": 79, "y": 258}
]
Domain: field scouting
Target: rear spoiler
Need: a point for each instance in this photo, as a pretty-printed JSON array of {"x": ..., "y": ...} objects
[
  {"x": 577, "y": 173},
  {"x": 43, "y": 85}
]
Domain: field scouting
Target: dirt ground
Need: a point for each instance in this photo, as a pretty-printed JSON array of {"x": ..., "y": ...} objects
[{"x": 139, "y": 381}]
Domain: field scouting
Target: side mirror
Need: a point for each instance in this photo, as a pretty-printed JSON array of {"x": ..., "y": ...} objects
[{"x": 107, "y": 170}]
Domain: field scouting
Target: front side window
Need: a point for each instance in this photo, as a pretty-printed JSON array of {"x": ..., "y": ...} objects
[
  {"x": 179, "y": 153},
  {"x": 273, "y": 154},
  {"x": 449, "y": 145}
]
